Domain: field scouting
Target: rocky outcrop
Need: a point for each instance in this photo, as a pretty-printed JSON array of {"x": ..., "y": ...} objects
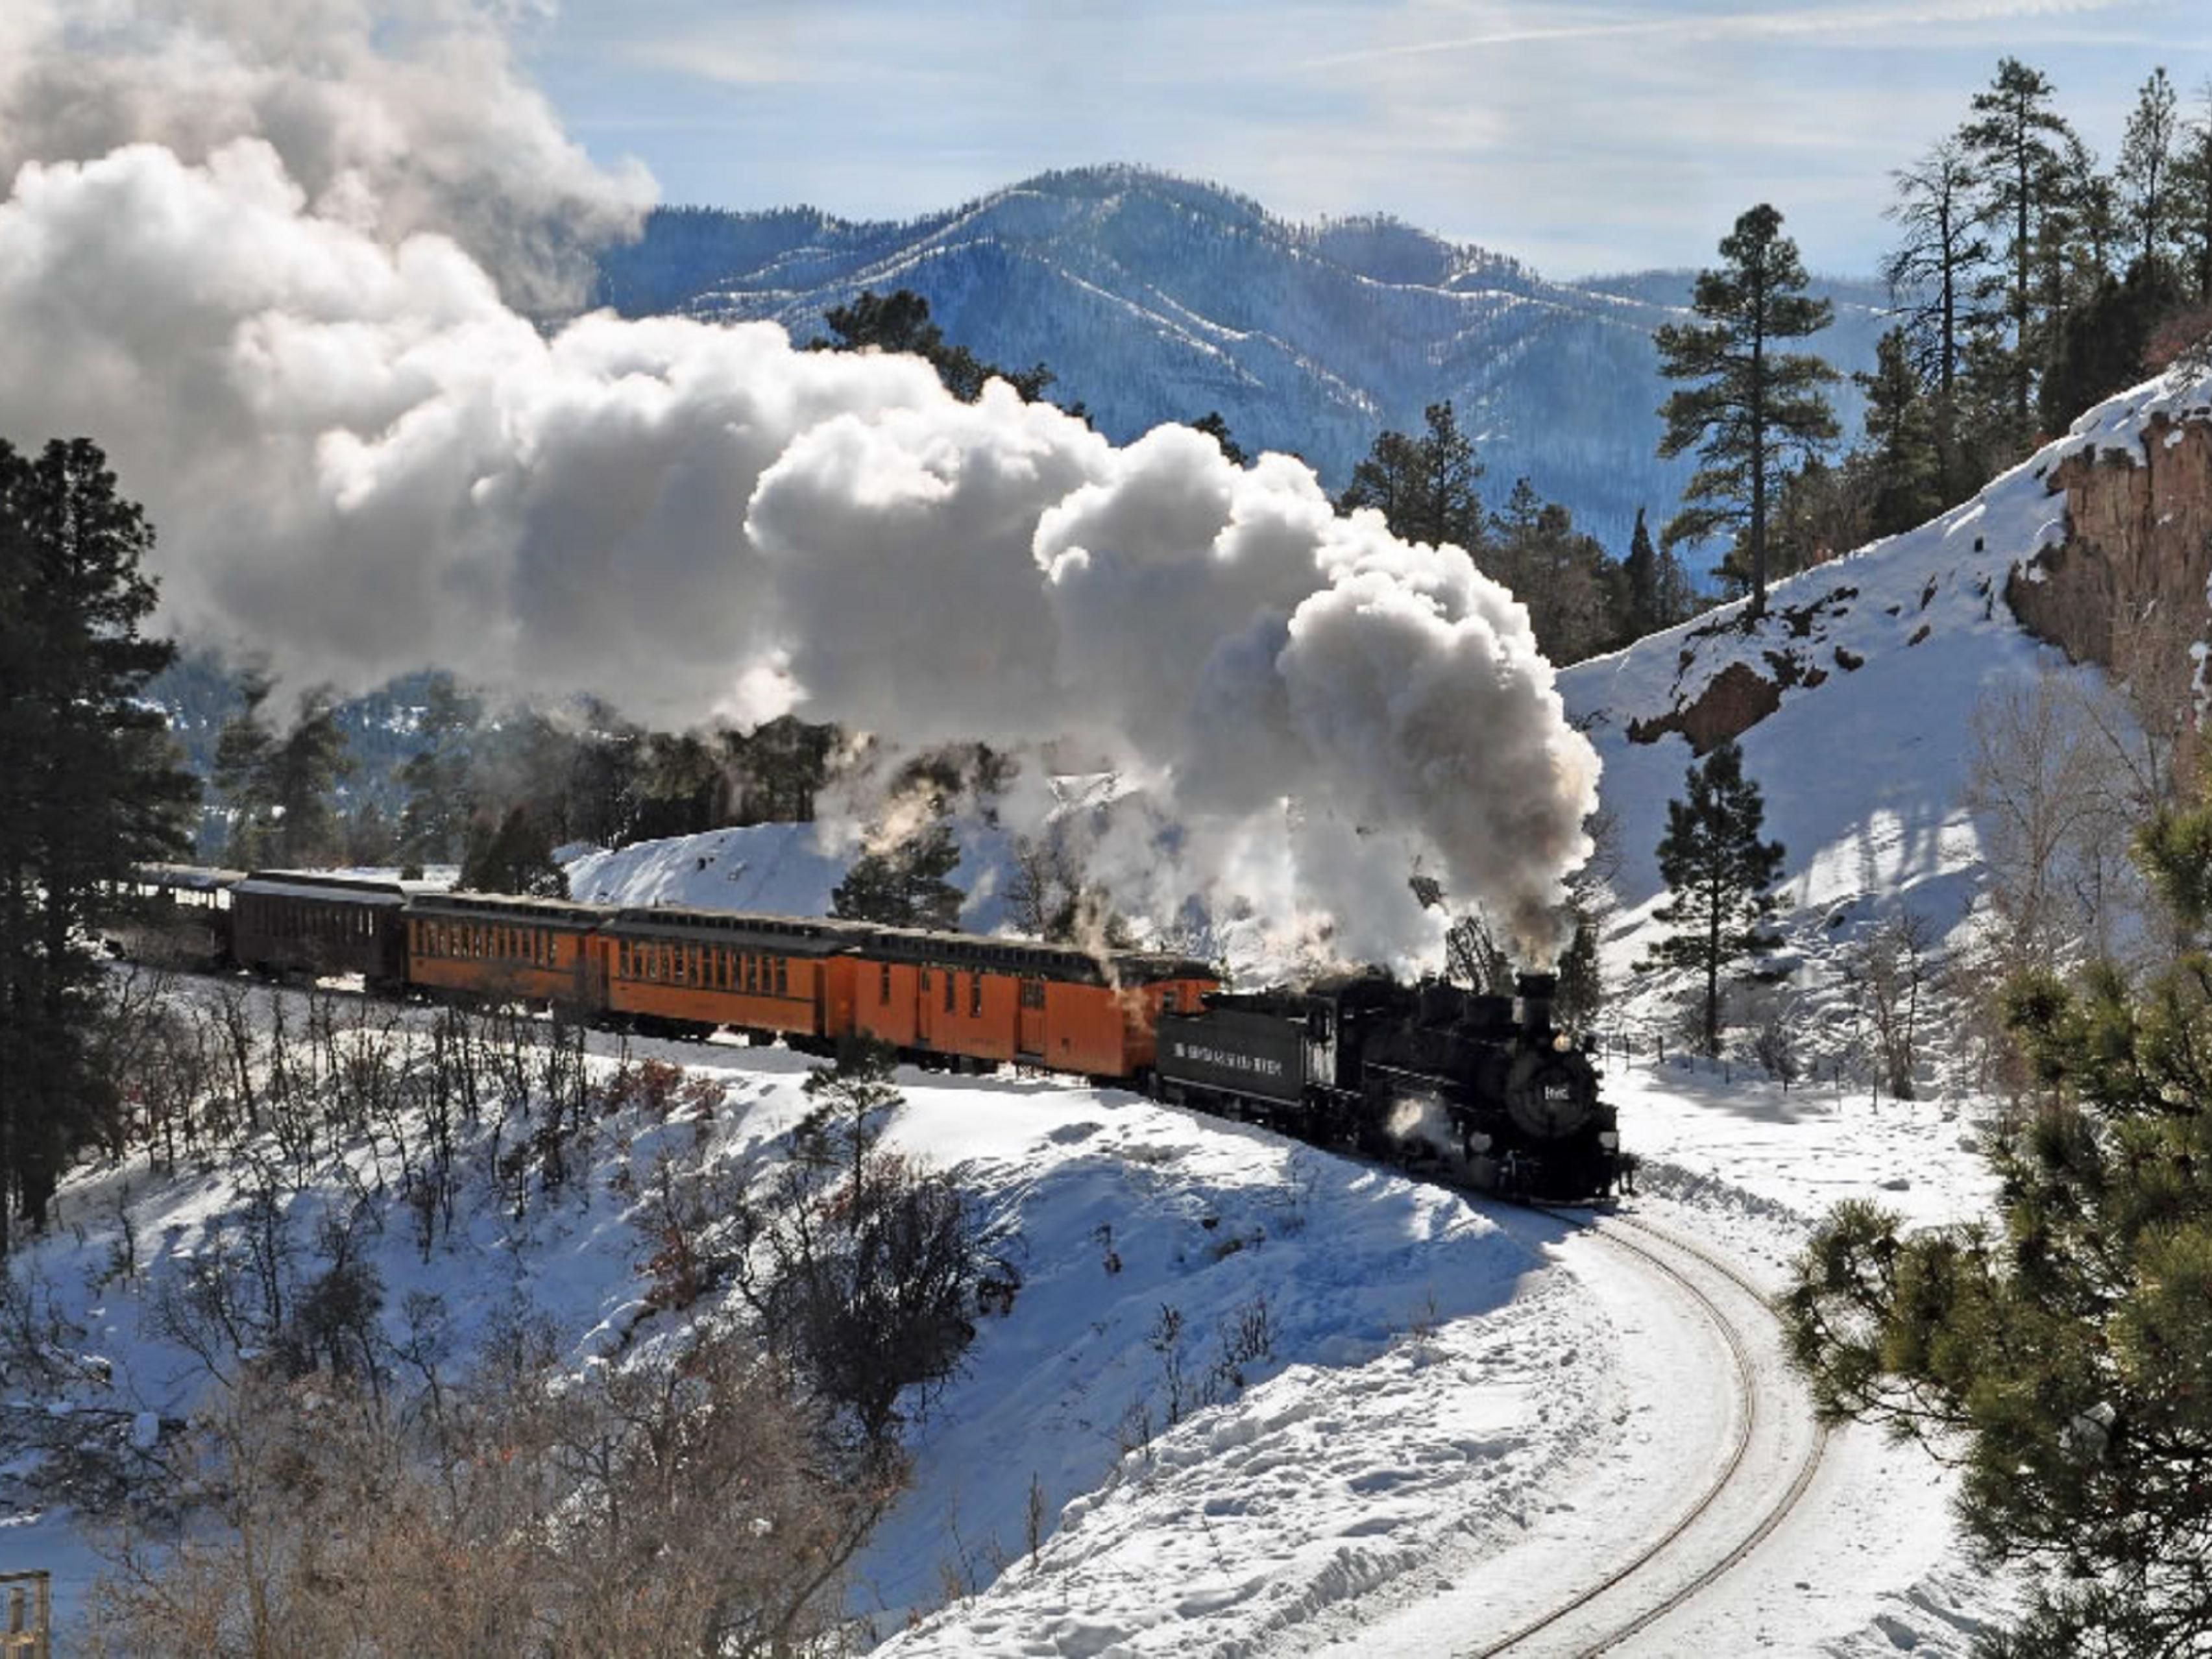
[
  {"x": 1734, "y": 700},
  {"x": 1737, "y": 698},
  {"x": 2132, "y": 573}
]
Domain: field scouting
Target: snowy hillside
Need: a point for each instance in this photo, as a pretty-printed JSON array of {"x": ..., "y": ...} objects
[
  {"x": 1873, "y": 666},
  {"x": 1249, "y": 1397},
  {"x": 777, "y": 869},
  {"x": 1157, "y": 299}
]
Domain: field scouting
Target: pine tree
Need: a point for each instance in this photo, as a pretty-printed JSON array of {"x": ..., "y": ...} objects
[
  {"x": 2193, "y": 188},
  {"x": 515, "y": 856},
  {"x": 95, "y": 790},
  {"x": 436, "y": 777},
  {"x": 2099, "y": 346},
  {"x": 1215, "y": 428},
  {"x": 280, "y": 787},
  {"x": 2146, "y": 169},
  {"x": 1752, "y": 406},
  {"x": 1906, "y": 452},
  {"x": 2016, "y": 141},
  {"x": 1719, "y": 872},
  {"x": 1935, "y": 276},
  {"x": 1581, "y": 993},
  {"x": 1574, "y": 593},
  {"x": 2066, "y": 1344},
  {"x": 1641, "y": 570},
  {"x": 899, "y": 321},
  {"x": 1423, "y": 487},
  {"x": 905, "y": 885}
]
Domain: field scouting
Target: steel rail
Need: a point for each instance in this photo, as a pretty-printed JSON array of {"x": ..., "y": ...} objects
[{"x": 1747, "y": 1421}]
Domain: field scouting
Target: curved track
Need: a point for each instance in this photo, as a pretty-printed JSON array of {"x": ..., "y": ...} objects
[{"x": 1737, "y": 1510}]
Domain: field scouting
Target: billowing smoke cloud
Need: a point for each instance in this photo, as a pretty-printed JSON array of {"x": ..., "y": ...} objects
[
  {"x": 393, "y": 116},
  {"x": 362, "y": 457}
]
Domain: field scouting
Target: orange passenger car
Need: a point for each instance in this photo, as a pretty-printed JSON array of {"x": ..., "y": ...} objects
[
  {"x": 490, "y": 946},
  {"x": 698, "y": 970},
  {"x": 992, "y": 1002}
]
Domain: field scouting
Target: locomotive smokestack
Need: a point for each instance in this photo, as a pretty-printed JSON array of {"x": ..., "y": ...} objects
[{"x": 1537, "y": 992}]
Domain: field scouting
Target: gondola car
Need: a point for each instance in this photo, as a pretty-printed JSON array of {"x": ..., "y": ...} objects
[
  {"x": 289, "y": 922},
  {"x": 174, "y": 915}
]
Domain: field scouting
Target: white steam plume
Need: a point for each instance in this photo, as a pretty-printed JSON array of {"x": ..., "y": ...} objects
[
  {"x": 393, "y": 116},
  {"x": 362, "y": 457}
]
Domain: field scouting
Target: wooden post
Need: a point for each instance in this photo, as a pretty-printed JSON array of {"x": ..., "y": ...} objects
[{"x": 30, "y": 1615}]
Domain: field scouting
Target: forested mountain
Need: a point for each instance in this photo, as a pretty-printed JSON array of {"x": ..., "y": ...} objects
[{"x": 1154, "y": 298}]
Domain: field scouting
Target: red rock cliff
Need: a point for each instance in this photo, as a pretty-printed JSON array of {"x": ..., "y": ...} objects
[{"x": 2132, "y": 570}]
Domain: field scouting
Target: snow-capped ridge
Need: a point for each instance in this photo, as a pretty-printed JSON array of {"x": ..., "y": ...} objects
[{"x": 1155, "y": 298}]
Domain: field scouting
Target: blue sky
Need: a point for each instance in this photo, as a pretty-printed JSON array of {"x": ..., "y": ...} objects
[{"x": 1580, "y": 137}]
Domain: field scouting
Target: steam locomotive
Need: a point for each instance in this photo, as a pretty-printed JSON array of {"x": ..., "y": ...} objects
[
  {"x": 1493, "y": 1093},
  {"x": 1497, "y": 1096}
]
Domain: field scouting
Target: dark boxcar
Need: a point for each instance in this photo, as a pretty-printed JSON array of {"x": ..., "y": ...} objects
[{"x": 297, "y": 921}]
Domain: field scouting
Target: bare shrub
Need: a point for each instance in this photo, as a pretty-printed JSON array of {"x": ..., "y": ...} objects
[
  {"x": 1889, "y": 973},
  {"x": 681, "y": 1504},
  {"x": 1769, "y": 1015},
  {"x": 861, "y": 1266}
]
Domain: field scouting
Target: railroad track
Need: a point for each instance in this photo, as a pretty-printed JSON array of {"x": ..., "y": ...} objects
[{"x": 1667, "y": 1593}]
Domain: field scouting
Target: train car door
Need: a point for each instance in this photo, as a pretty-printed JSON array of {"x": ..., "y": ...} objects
[
  {"x": 1029, "y": 1023},
  {"x": 592, "y": 954}
]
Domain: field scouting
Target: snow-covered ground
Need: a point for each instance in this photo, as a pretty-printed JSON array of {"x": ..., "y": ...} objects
[{"x": 1440, "y": 1385}]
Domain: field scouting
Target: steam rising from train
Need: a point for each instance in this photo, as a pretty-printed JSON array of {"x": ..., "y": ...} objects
[{"x": 283, "y": 263}]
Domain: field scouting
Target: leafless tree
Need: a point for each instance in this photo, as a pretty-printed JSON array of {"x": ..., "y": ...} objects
[{"x": 1888, "y": 972}]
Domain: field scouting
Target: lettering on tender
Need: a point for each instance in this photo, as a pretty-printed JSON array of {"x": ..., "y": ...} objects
[{"x": 1228, "y": 1058}]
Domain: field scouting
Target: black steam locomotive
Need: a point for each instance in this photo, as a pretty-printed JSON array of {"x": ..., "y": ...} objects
[{"x": 1496, "y": 1095}]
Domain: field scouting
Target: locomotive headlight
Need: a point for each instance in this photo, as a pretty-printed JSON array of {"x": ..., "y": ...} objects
[
  {"x": 1561, "y": 1042},
  {"x": 1609, "y": 1139}
]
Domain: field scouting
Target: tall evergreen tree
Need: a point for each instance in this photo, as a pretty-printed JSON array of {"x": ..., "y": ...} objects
[
  {"x": 2100, "y": 347},
  {"x": 1935, "y": 276},
  {"x": 280, "y": 787},
  {"x": 515, "y": 855},
  {"x": 1215, "y": 428},
  {"x": 2065, "y": 1345},
  {"x": 94, "y": 789},
  {"x": 905, "y": 885},
  {"x": 2192, "y": 187},
  {"x": 1576, "y": 594},
  {"x": 2016, "y": 140},
  {"x": 2146, "y": 167},
  {"x": 1906, "y": 452},
  {"x": 1640, "y": 573},
  {"x": 435, "y": 817},
  {"x": 1423, "y": 487},
  {"x": 1719, "y": 872},
  {"x": 1751, "y": 406}
]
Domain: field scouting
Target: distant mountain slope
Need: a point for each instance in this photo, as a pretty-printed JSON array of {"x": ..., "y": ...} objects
[{"x": 1156, "y": 298}]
